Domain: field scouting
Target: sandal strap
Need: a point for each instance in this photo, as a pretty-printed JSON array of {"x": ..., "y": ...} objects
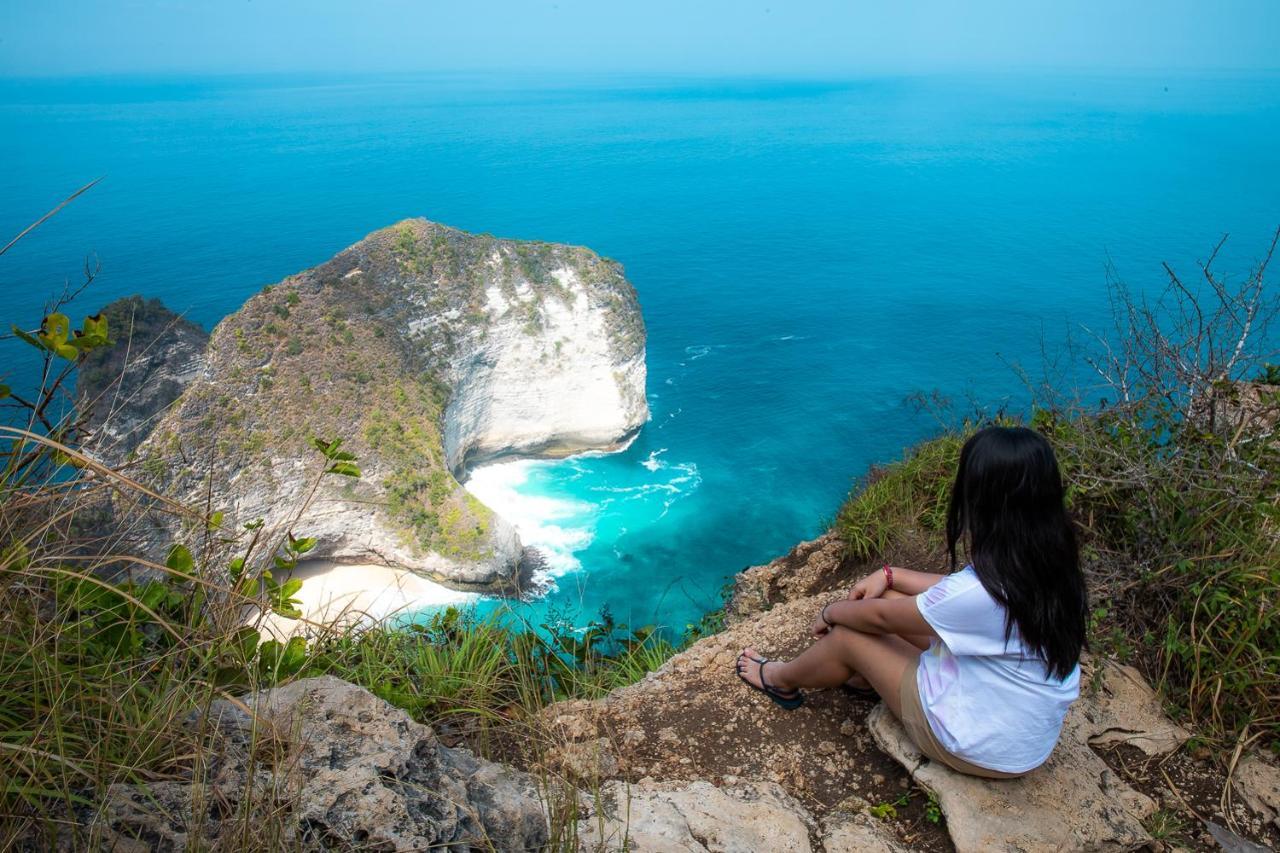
[{"x": 769, "y": 687}]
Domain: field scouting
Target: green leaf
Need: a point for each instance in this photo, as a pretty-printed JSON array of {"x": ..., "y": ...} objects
[
  {"x": 4, "y": 391},
  {"x": 152, "y": 594},
  {"x": 215, "y": 520},
  {"x": 295, "y": 654},
  {"x": 28, "y": 337},
  {"x": 54, "y": 331},
  {"x": 93, "y": 333},
  {"x": 179, "y": 560},
  {"x": 248, "y": 641},
  {"x": 303, "y": 545},
  {"x": 290, "y": 587},
  {"x": 269, "y": 654},
  {"x": 345, "y": 469}
]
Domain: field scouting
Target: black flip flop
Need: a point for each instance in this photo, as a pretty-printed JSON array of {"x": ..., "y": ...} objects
[{"x": 783, "y": 700}]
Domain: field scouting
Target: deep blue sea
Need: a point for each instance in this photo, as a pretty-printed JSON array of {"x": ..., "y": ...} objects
[{"x": 807, "y": 253}]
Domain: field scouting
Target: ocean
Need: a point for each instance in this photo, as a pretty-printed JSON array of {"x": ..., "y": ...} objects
[{"x": 808, "y": 254}]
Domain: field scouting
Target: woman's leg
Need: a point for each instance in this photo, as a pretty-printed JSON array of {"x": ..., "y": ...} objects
[
  {"x": 836, "y": 658},
  {"x": 920, "y": 641}
]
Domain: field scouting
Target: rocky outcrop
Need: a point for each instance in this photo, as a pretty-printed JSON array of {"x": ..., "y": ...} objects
[
  {"x": 692, "y": 719},
  {"x": 699, "y": 817},
  {"x": 1072, "y": 802},
  {"x": 695, "y": 816},
  {"x": 125, "y": 387},
  {"x": 321, "y": 764},
  {"x": 426, "y": 349},
  {"x": 1257, "y": 781}
]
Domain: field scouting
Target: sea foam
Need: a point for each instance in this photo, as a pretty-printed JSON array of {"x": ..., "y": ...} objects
[{"x": 557, "y": 527}]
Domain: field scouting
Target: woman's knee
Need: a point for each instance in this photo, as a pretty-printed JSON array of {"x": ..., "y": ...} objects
[
  {"x": 855, "y": 641},
  {"x": 846, "y": 631}
]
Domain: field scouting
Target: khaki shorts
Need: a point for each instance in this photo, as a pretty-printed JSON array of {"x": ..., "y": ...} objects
[{"x": 917, "y": 726}]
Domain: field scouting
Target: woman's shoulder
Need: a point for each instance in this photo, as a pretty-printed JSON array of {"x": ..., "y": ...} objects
[
  {"x": 962, "y": 580},
  {"x": 961, "y": 583}
]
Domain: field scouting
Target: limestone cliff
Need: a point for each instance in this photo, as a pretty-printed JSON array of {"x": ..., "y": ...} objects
[
  {"x": 125, "y": 387},
  {"x": 427, "y": 349}
]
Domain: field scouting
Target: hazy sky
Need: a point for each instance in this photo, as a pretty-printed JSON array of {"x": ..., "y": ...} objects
[{"x": 53, "y": 37}]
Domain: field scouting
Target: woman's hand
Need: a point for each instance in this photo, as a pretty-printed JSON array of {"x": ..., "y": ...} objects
[
  {"x": 819, "y": 628},
  {"x": 872, "y": 586}
]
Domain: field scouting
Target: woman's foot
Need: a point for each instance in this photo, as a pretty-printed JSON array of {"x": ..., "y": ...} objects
[{"x": 759, "y": 672}]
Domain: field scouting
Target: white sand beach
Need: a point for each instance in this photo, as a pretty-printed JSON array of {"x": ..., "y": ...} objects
[{"x": 335, "y": 594}]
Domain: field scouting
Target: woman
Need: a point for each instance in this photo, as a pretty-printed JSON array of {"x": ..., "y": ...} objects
[{"x": 980, "y": 665}]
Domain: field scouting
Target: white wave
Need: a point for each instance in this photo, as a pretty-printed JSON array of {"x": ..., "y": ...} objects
[
  {"x": 653, "y": 463},
  {"x": 557, "y": 527},
  {"x": 686, "y": 480},
  {"x": 697, "y": 352}
]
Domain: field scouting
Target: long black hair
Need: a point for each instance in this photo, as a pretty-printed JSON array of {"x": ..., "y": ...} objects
[{"x": 1008, "y": 505}]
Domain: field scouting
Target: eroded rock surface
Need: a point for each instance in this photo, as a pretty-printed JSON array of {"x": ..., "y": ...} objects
[
  {"x": 696, "y": 817},
  {"x": 425, "y": 349},
  {"x": 325, "y": 765},
  {"x": 857, "y": 832},
  {"x": 1257, "y": 781}
]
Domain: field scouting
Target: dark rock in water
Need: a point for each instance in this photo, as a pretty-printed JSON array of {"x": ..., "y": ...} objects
[{"x": 126, "y": 387}]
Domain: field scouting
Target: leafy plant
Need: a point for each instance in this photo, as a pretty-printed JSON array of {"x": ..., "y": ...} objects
[
  {"x": 889, "y": 810},
  {"x": 932, "y": 809}
]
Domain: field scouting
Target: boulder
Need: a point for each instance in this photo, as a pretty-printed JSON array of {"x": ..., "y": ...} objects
[
  {"x": 1257, "y": 781},
  {"x": 857, "y": 832},
  {"x": 1072, "y": 802},
  {"x": 695, "y": 817},
  {"x": 321, "y": 764}
]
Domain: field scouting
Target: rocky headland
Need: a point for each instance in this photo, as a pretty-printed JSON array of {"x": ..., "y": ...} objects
[{"x": 426, "y": 350}]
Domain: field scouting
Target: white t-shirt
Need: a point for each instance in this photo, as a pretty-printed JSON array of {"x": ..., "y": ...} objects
[{"x": 991, "y": 702}]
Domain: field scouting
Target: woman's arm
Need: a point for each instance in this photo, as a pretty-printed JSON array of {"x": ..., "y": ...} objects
[
  {"x": 875, "y": 616},
  {"x": 905, "y": 581}
]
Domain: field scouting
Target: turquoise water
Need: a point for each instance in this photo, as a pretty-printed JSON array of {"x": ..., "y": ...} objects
[{"x": 806, "y": 253}]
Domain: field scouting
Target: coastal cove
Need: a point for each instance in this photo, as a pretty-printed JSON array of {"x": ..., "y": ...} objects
[{"x": 806, "y": 254}]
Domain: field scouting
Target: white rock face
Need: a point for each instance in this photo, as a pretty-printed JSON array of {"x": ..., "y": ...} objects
[{"x": 560, "y": 389}]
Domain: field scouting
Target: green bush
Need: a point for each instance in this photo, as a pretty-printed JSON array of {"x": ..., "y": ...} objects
[{"x": 910, "y": 494}]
